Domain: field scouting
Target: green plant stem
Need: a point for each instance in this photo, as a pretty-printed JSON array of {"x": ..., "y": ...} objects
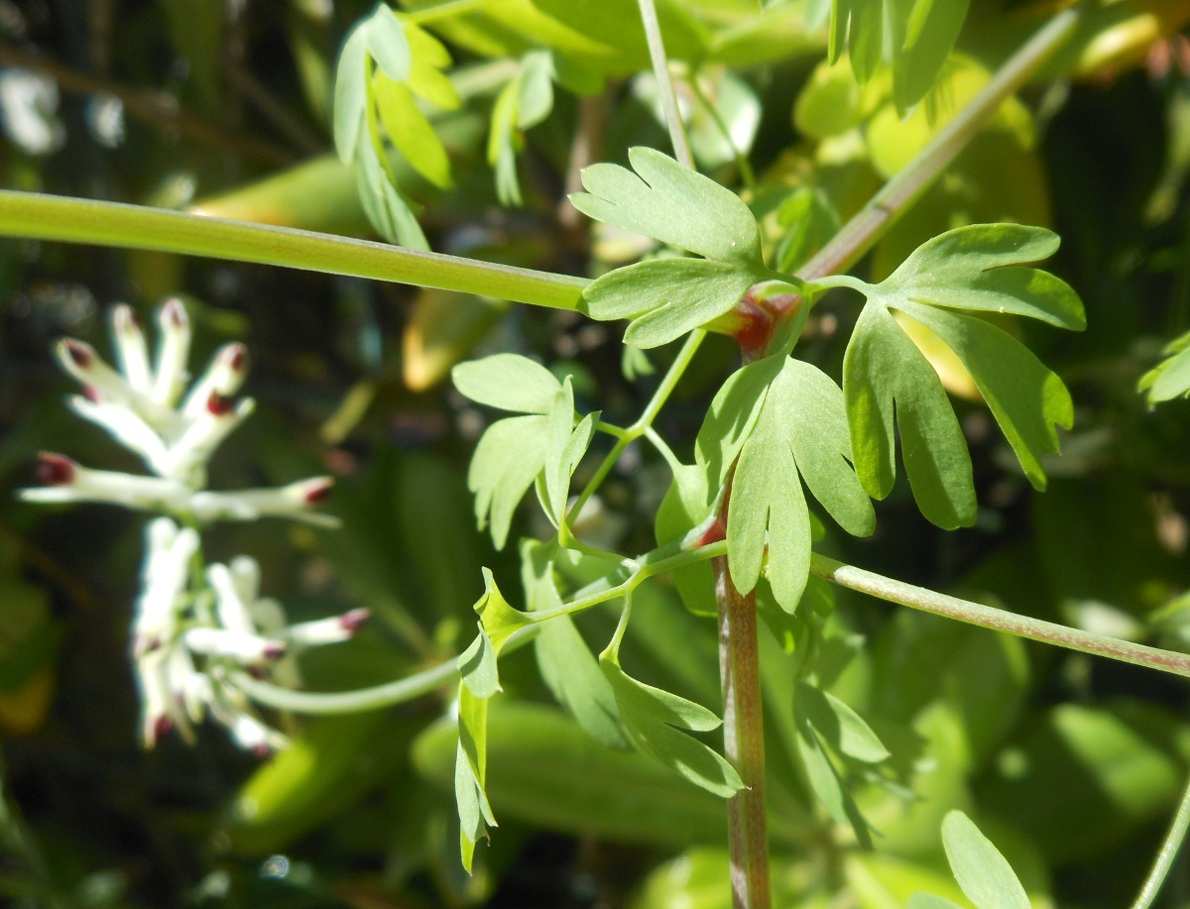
[
  {"x": 899, "y": 193},
  {"x": 739, "y": 670},
  {"x": 386, "y": 695},
  {"x": 997, "y": 619},
  {"x": 1165, "y": 858},
  {"x": 35, "y": 216},
  {"x": 665, "y": 86}
]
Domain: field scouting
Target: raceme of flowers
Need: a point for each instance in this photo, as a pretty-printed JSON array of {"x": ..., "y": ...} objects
[{"x": 194, "y": 629}]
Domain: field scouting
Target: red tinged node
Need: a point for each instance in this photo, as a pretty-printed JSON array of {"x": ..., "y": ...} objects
[{"x": 55, "y": 469}]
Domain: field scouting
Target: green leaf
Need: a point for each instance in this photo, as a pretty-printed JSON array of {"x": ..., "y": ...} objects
[
  {"x": 428, "y": 57},
  {"x": 1171, "y": 378},
  {"x": 351, "y": 93},
  {"x": 498, "y": 620},
  {"x": 509, "y": 382},
  {"x": 565, "y": 446},
  {"x": 388, "y": 210},
  {"x": 842, "y": 728},
  {"x": 682, "y": 509},
  {"x": 525, "y": 101},
  {"x": 410, "y": 131},
  {"x": 666, "y": 297},
  {"x": 655, "y": 720},
  {"x": 509, "y": 456},
  {"x": 384, "y": 37},
  {"x": 1027, "y": 399},
  {"x": 884, "y": 373},
  {"x": 730, "y": 418},
  {"x": 810, "y": 221},
  {"x": 801, "y": 431},
  {"x": 824, "y": 780},
  {"x": 544, "y": 770},
  {"x": 535, "y": 91},
  {"x": 672, "y": 204},
  {"x": 477, "y": 665},
  {"x": 929, "y": 901},
  {"x": 475, "y": 813},
  {"x": 921, "y": 35},
  {"x": 975, "y": 268},
  {"x": 979, "y": 268},
  {"x": 924, "y": 41},
  {"x": 984, "y": 874},
  {"x": 567, "y": 665}
]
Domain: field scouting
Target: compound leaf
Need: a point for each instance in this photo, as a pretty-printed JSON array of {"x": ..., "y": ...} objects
[
  {"x": 976, "y": 268},
  {"x": 509, "y": 456},
  {"x": 800, "y": 432}
]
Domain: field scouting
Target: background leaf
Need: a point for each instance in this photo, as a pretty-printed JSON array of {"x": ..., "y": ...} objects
[{"x": 985, "y": 876}]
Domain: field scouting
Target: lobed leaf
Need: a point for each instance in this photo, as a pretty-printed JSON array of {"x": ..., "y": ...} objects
[
  {"x": 672, "y": 204},
  {"x": 384, "y": 36},
  {"x": 886, "y": 379},
  {"x": 351, "y": 93},
  {"x": 655, "y": 720},
  {"x": 509, "y": 456},
  {"x": 498, "y": 620},
  {"x": 477, "y": 665},
  {"x": 666, "y": 297},
  {"x": 981, "y": 871},
  {"x": 977, "y": 268},
  {"x": 800, "y": 432},
  {"x": 1026, "y": 398}
]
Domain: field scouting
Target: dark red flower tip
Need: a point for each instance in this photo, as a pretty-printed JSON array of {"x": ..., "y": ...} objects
[
  {"x": 237, "y": 356},
  {"x": 175, "y": 314},
  {"x": 274, "y": 650},
  {"x": 262, "y": 751},
  {"x": 258, "y": 672},
  {"x": 126, "y": 313},
  {"x": 162, "y": 726},
  {"x": 91, "y": 393},
  {"x": 351, "y": 621},
  {"x": 318, "y": 492},
  {"x": 220, "y": 405},
  {"x": 80, "y": 353},
  {"x": 55, "y": 469}
]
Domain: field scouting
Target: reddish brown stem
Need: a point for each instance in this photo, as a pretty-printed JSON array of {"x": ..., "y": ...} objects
[{"x": 743, "y": 730}]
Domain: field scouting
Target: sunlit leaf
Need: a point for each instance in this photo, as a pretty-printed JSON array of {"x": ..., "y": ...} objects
[
  {"x": 1171, "y": 378},
  {"x": 801, "y": 431},
  {"x": 507, "y": 381},
  {"x": 977, "y": 268},
  {"x": 672, "y": 204},
  {"x": 658, "y": 721},
  {"x": 525, "y": 101},
  {"x": 984, "y": 874}
]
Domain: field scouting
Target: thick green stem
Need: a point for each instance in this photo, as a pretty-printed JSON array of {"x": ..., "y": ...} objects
[
  {"x": 743, "y": 725},
  {"x": 997, "y": 619},
  {"x": 35, "y": 216}
]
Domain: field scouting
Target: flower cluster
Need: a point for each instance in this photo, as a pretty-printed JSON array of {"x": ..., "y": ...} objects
[{"x": 194, "y": 629}]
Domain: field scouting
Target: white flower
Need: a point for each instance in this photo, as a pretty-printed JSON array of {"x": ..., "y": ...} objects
[{"x": 141, "y": 405}]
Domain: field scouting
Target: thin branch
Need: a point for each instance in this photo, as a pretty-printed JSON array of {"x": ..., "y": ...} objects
[
  {"x": 997, "y": 619},
  {"x": 1165, "y": 858},
  {"x": 665, "y": 85}
]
